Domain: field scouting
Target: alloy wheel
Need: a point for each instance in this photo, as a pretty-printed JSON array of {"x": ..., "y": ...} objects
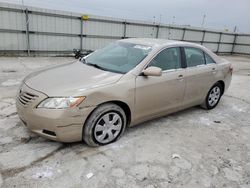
[
  {"x": 214, "y": 96},
  {"x": 108, "y": 127}
]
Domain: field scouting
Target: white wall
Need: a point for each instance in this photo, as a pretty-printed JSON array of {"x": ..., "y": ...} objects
[{"x": 60, "y": 31}]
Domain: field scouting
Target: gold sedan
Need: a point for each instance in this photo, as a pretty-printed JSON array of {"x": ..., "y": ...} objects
[{"x": 120, "y": 85}]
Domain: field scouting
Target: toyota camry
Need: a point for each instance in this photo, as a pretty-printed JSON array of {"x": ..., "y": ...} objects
[{"x": 123, "y": 84}]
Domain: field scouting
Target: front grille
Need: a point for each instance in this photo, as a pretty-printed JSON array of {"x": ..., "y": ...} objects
[{"x": 26, "y": 98}]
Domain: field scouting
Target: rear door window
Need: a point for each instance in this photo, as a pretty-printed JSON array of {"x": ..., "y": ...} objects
[{"x": 194, "y": 57}]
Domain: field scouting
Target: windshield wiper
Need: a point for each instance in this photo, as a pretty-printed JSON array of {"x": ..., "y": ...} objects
[
  {"x": 96, "y": 66},
  {"x": 92, "y": 64},
  {"x": 99, "y": 67}
]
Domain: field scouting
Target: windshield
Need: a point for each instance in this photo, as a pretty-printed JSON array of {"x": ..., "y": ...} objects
[{"x": 118, "y": 57}]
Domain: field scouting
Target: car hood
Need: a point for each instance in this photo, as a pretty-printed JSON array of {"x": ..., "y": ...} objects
[{"x": 69, "y": 79}]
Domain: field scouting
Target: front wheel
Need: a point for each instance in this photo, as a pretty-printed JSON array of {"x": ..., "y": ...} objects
[
  {"x": 213, "y": 97},
  {"x": 105, "y": 125}
]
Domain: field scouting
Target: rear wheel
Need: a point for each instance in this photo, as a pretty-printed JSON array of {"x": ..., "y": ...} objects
[
  {"x": 213, "y": 97},
  {"x": 105, "y": 125}
]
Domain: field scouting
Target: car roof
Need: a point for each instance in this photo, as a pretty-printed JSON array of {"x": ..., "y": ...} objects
[
  {"x": 162, "y": 43},
  {"x": 159, "y": 42}
]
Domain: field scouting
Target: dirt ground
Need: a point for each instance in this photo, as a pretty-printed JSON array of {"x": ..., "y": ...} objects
[{"x": 191, "y": 148}]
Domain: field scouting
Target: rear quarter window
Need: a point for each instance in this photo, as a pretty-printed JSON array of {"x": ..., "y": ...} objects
[{"x": 209, "y": 60}]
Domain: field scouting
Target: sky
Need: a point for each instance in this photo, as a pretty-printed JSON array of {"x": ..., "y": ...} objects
[{"x": 214, "y": 14}]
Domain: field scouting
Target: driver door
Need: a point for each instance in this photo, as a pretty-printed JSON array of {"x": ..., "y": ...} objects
[{"x": 158, "y": 95}]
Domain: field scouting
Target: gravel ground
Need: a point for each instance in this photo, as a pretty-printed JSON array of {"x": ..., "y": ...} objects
[{"x": 191, "y": 148}]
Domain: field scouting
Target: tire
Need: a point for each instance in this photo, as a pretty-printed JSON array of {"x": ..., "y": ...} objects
[
  {"x": 106, "y": 120},
  {"x": 213, "y": 97}
]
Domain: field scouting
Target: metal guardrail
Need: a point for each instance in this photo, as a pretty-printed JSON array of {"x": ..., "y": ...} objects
[{"x": 29, "y": 32}]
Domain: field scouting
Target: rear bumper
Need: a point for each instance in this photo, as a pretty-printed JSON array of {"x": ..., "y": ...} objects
[
  {"x": 227, "y": 81},
  {"x": 63, "y": 125}
]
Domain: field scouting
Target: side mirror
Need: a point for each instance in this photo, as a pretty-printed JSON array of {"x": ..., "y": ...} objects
[{"x": 152, "y": 71}]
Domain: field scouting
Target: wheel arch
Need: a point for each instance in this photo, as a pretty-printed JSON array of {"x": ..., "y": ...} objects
[
  {"x": 223, "y": 85},
  {"x": 121, "y": 104},
  {"x": 125, "y": 107}
]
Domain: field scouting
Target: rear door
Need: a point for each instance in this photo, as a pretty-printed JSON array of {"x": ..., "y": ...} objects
[
  {"x": 157, "y": 95},
  {"x": 200, "y": 77}
]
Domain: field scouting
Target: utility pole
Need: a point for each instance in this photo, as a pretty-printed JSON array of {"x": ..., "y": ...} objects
[
  {"x": 173, "y": 20},
  {"x": 235, "y": 29},
  {"x": 203, "y": 20},
  {"x": 26, "y": 13},
  {"x": 153, "y": 28},
  {"x": 23, "y": 4},
  {"x": 160, "y": 20}
]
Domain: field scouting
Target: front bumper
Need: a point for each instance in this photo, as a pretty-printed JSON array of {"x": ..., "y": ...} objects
[{"x": 63, "y": 125}]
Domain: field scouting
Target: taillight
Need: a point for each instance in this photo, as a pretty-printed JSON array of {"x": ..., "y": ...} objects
[{"x": 231, "y": 69}]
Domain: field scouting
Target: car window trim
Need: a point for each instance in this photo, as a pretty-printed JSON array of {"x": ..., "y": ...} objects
[
  {"x": 200, "y": 65},
  {"x": 210, "y": 58},
  {"x": 183, "y": 58},
  {"x": 172, "y": 70},
  {"x": 204, "y": 57}
]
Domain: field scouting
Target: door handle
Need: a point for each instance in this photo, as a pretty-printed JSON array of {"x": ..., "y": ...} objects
[
  {"x": 180, "y": 77},
  {"x": 214, "y": 70}
]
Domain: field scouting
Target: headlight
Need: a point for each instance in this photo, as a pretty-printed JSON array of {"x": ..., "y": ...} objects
[{"x": 62, "y": 102}]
